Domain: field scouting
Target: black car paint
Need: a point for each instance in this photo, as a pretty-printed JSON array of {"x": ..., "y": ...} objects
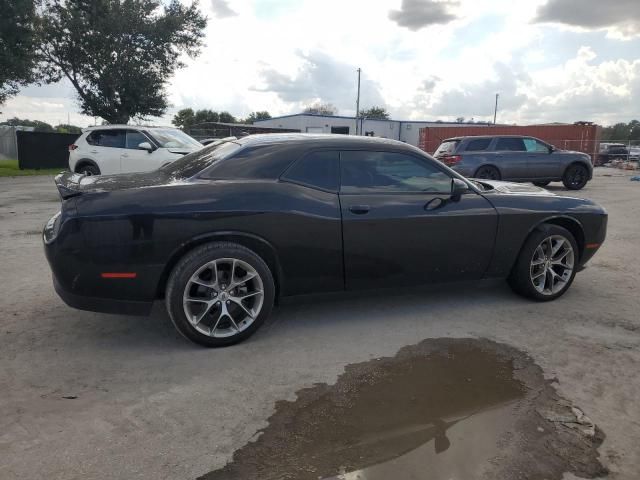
[{"x": 143, "y": 223}]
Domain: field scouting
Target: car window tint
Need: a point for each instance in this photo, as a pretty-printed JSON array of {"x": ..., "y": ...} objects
[
  {"x": 390, "y": 172},
  {"x": 135, "y": 138},
  {"x": 446, "y": 147},
  {"x": 478, "y": 144},
  {"x": 533, "y": 145},
  {"x": 316, "y": 169},
  {"x": 108, "y": 138},
  {"x": 510, "y": 144}
]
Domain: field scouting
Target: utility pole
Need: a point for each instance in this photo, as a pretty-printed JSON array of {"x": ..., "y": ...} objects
[
  {"x": 358, "y": 102},
  {"x": 495, "y": 111}
]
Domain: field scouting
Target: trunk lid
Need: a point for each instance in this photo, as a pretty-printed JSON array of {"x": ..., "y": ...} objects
[{"x": 71, "y": 184}]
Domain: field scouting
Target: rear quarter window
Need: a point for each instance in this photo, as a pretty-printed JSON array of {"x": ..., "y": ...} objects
[
  {"x": 317, "y": 170},
  {"x": 447, "y": 147}
]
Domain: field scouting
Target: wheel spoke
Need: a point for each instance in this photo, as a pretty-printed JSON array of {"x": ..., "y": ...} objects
[
  {"x": 243, "y": 280},
  {"x": 538, "y": 275},
  {"x": 238, "y": 302},
  {"x": 249, "y": 295}
]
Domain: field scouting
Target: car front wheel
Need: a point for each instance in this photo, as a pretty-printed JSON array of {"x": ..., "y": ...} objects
[
  {"x": 219, "y": 294},
  {"x": 576, "y": 177},
  {"x": 546, "y": 265}
]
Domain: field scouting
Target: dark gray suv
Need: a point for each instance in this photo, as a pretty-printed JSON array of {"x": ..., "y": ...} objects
[{"x": 515, "y": 158}]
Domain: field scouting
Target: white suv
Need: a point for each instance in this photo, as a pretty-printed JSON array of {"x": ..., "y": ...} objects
[{"x": 123, "y": 149}]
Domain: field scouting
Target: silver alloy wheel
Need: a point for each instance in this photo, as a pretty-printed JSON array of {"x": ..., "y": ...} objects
[
  {"x": 552, "y": 265},
  {"x": 223, "y": 297}
]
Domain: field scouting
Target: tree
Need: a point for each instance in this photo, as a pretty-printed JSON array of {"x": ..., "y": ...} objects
[
  {"x": 255, "y": 116},
  {"x": 460, "y": 119},
  {"x": 375, "y": 113},
  {"x": 17, "y": 38},
  {"x": 37, "y": 125},
  {"x": 66, "y": 128},
  {"x": 622, "y": 132},
  {"x": 320, "y": 109},
  {"x": 226, "y": 117},
  {"x": 118, "y": 54},
  {"x": 184, "y": 118},
  {"x": 203, "y": 116}
]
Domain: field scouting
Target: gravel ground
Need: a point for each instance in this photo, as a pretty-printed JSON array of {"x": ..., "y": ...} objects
[{"x": 144, "y": 403}]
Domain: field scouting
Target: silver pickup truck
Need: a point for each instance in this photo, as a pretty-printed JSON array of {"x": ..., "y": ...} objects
[{"x": 515, "y": 158}]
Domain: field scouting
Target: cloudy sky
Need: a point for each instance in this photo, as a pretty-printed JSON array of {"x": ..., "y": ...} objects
[{"x": 550, "y": 60}]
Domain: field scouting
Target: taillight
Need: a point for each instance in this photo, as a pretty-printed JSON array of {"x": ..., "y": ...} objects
[
  {"x": 450, "y": 160},
  {"x": 72, "y": 147}
]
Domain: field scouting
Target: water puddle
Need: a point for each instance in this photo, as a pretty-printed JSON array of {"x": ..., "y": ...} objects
[{"x": 442, "y": 409}]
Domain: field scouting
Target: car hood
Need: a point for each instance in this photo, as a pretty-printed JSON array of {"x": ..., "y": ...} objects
[
  {"x": 515, "y": 188},
  {"x": 72, "y": 184}
]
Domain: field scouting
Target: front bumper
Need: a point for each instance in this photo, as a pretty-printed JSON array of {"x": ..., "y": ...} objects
[{"x": 102, "y": 305}]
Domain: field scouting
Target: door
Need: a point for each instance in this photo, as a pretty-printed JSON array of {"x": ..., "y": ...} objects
[
  {"x": 511, "y": 157},
  {"x": 541, "y": 162},
  {"x": 134, "y": 159},
  {"x": 401, "y": 226},
  {"x": 105, "y": 148}
]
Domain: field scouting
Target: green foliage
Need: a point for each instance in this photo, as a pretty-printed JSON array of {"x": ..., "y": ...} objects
[
  {"x": 37, "y": 124},
  {"x": 17, "y": 39},
  {"x": 226, "y": 117},
  {"x": 375, "y": 112},
  {"x": 66, "y": 128},
  {"x": 320, "y": 109},
  {"x": 118, "y": 54},
  {"x": 255, "y": 116},
  {"x": 187, "y": 118},
  {"x": 622, "y": 132},
  {"x": 10, "y": 168}
]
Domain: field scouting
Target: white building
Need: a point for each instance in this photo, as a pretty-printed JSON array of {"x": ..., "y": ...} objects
[{"x": 406, "y": 131}]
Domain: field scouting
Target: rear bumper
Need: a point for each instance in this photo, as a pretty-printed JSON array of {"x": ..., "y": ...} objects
[{"x": 102, "y": 305}]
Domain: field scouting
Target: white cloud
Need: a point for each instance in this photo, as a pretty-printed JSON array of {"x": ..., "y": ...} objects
[{"x": 278, "y": 55}]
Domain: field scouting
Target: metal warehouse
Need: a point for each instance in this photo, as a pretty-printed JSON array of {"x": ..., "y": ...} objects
[{"x": 404, "y": 130}]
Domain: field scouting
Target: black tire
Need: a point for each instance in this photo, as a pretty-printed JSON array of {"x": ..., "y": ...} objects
[
  {"x": 520, "y": 278},
  {"x": 488, "y": 172},
  {"x": 189, "y": 264},
  {"x": 575, "y": 177},
  {"x": 88, "y": 169},
  {"x": 541, "y": 184}
]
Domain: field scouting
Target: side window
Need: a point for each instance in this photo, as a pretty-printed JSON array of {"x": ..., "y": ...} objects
[
  {"x": 510, "y": 144},
  {"x": 533, "y": 145},
  {"x": 390, "y": 172},
  {"x": 107, "y": 138},
  {"x": 135, "y": 138},
  {"x": 316, "y": 169},
  {"x": 478, "y": 145}
]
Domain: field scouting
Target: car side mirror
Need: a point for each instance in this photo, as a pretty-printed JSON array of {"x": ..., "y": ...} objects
[
  {"x": 145, "y": 146},
  {"x": 458, "y": 187},
  {"x": 552, "y": 149}
]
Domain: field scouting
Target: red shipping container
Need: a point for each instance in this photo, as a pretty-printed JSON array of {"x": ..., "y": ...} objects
[{"x": 581, "y": 137}]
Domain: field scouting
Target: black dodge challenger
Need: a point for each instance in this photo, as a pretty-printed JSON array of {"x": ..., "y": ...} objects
[{"x": 222, "y": 232}]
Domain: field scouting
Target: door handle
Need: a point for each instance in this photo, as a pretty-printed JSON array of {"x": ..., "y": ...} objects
[
  {"x": 125, "y": 154},
  {"x": 93, "y": 151},
  {"x": 435, "y": 203},
  {"x": 359, "y": 209}
]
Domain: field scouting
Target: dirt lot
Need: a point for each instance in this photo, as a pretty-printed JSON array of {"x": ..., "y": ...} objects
[{"x": 87, "y": 395}]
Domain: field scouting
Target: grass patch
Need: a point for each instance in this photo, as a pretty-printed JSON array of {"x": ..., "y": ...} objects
[{"x": 9, "y": 168}]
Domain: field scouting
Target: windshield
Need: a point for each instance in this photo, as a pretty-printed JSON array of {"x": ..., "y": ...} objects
[
  {"x": 195, "y": 162},
  {"x": 174, "y": 138},
  {"x": 447, "y": 147}
]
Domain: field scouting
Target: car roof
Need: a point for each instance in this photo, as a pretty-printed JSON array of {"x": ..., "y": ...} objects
[
  {"x": 321, "y": 140},
  {"x": 451, "y": 139},
  {"x": 120, "y": 126}
]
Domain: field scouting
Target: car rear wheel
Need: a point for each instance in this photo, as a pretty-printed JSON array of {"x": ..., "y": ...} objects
[
  {"x": 546, "y": 265},
  {"x": 488, "y": 172},
  {"x": 88, "y": 169},
  {"x": 575, "y": 177},
  {"x": 541, "y": 184},
  {"x": 219, "y": 294}
]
